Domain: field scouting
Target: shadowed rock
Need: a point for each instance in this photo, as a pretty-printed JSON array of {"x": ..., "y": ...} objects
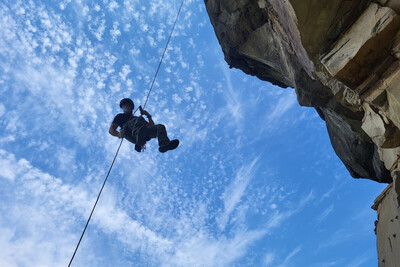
[{"x": 326, "y": 51}]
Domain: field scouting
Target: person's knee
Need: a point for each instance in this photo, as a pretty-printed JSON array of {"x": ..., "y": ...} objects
[{"x": 160, "y": 126}]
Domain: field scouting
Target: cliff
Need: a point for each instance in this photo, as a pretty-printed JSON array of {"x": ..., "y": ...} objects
[{"x": 341, "y": 57}]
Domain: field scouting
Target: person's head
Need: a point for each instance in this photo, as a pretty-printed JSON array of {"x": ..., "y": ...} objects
[{"x": 127, "y": 105}]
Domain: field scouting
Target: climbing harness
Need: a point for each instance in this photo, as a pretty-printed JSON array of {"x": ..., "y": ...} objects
[{"x": 122, "y": 139}]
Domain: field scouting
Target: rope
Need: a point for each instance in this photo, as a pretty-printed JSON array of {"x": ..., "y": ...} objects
[
  {"x": 116, "y": 154},
  {"x": 162, "y": 57},
  {"x": 95, "y": 204}
]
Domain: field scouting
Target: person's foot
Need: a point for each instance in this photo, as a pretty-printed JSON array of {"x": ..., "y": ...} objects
[
  {"x": 169, "y": 146},
  {"x": 138, "y": 148}
]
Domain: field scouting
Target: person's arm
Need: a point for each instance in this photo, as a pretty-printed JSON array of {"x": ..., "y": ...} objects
[
  {"x": 151, "y": 122},
  {"x": 113, "y": 129}
]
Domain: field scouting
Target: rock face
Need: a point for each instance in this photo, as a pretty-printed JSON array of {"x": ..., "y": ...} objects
[
  {"x": 388, "y": 226},
  {"x": 342, "y": 57},
  {"x": 337, "y": 56}
]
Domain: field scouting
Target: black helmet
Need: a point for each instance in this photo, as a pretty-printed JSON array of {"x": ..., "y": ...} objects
[{"x": 126, "y": 101}]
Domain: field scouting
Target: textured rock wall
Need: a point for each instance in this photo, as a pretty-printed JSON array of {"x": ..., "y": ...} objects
[
  {"x": 326, "y": 50},
  {"x": 343, "y": 58},
  {"x": 388, "y": 226}
]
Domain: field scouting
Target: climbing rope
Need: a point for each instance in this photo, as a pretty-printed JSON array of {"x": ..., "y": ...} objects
[
  {"x": 95, "y": 204},
  {"x": 162, "y": 57},
  {"x": 116, "y": 154}
]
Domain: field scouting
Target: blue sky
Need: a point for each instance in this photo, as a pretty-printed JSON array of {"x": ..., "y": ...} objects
[{"x": 254, "y": 182}]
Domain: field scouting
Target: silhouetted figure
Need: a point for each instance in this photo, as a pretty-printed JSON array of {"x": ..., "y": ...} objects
[{"x": 137, "y": 130}]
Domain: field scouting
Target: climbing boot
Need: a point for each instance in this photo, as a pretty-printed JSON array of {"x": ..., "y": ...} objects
[
  {"x": 138, "y": 148},
  {"x": 169, "y": 146}
]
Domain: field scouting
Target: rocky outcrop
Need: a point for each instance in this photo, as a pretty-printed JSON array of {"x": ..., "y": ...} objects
[
  {"x": 343, "y": 58},
  {"x": 335, "y": 56},
  {"x": 387, "y": 227}
]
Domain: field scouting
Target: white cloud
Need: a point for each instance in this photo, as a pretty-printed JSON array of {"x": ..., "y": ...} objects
[
  {"x": 235, "y": 191},
  {"x": 285, "y": 102},
  {"x": 269, "y": 259},
  {"x": 112, "y": 6},
  {"x": 40, "y": 203},
  {"x": 49, "y": 202},
  {"x": 232, "y": 98},
  {"x": 66, "y": 158},
  {"x": 151, "y": 41},
  {"x": 360, "y": 260},
  {"x": 99, "y": 32},
  {"x": 176, "y": 99},
  {"x": 288, "y": 258},
  {"x": 126, "y": 69},
  {"x": 8, "y": 170},
  {"x": 115, "y": 32},
  {"x": 144, "y": 27},
  {"x": 336, "y": 238},
  {"x": 2, "y": 110},
  {"x": 203, "y": 250},
  {"x": 325, "y": 214}
]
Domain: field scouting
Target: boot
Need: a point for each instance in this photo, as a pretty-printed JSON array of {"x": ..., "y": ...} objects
[
  {"x": 138, "y": 148},
  {"x": 169, "y": 146}
]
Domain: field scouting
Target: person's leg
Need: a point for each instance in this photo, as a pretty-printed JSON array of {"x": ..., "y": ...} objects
[
  {"x": 128, "y": 133},
  {"x": 163, "y": 140},
  {"x": 160, "y": 132}
]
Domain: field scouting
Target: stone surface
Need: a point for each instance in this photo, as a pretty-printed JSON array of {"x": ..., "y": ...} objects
[
  {"x": 283, "y": 42},
  {"x": 353, "y": 57},
  {"x": 388, "y": 227},
  {"x": 343, "y": 58}
]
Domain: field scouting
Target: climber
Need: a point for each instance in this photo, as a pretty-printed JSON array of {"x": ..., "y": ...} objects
[{"x": 137, "y": 130}]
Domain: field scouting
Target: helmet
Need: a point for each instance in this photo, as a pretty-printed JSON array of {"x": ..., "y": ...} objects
[{"x": 126, "y": 101}]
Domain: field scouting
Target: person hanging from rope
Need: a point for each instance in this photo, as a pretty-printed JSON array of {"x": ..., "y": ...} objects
[{"x": 137, "y": 130}]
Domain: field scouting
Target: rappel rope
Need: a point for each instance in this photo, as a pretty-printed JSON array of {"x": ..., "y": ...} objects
[{"x": 116, "y": 154}]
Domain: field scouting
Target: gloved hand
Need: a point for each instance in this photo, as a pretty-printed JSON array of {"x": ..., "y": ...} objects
[
  {"x": 121, "y": 134},
  {"x": 144, "y": 112}
]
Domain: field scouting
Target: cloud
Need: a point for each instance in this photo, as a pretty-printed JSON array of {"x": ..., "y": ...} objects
[
  {"x": 98, "y": 32},
  {"x": 9, "y": 171},
  {"x": 329, "y": 263},
  {"x": 115, "y": 32},
  {"x": 232, "y": 97},
  {"x": 325, "y": 213},
  {"x": 278, "y": 217},
  {"x": 288, "y": 258},
  {"x": 126, "y": 69},
  {"x": 2, "y": 110},
  {"x": 269, "y": 259},
  {"x": 35, "y": 227},
  {"x": 66, "y": 158},
  {"x": 234, "y": 192},
  {"x": 50, "y": 202},
  {"x": 202, "y": 250},
  {"x": 360, "y": 260},
  {"x": 112, "y": 6},
  {"x": 284, "y": 104},
  {"x": 336, "y": 238}
]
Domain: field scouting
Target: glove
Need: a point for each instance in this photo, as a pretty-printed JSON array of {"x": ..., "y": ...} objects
[{"x": 121, "y": 134}]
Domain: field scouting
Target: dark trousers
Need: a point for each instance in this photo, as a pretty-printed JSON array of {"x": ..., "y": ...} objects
[{"x": 158, "y": 131}]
